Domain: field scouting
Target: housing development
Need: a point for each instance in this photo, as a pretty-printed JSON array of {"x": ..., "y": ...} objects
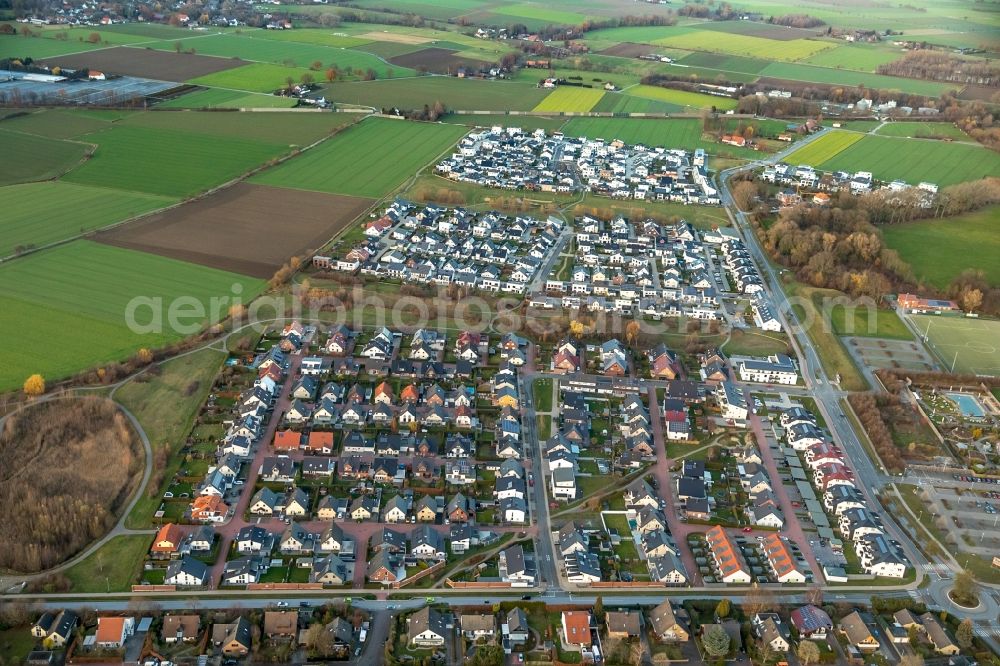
[{"x": 499, "y": 333}]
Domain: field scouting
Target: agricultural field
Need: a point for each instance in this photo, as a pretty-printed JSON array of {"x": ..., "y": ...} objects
[
  {"x": 433, "y": 9},
  {"x": 441, "y": 61},
  {"x": 540, "y": 12},
  {"x": 938, "y": 250},
  {"x": 53, "y": 124},
  {"x": 38, "y": 48},
  {"x": 370, "y": 159},
  {"x": 224, "y": 230},
  {"x": 969, "y": 343},
  {"x": 216, "y": 98},
  {"x": 682, "y": 97},
  {"x": 251, "y": 47},
  {"x": 76, "y": 297},
  {"x": 779, "y": 71},
  {"x": 321, "y": 37},
  {"x": 36, "y": 214},
  {"x": 859, "y": 57},
  {"x": 279, "y": 129},
  {"x": 159, "y": 65},
  {"x": 27, "y": 157},
  {"x": 570, "y": 98},
  {"x": 619, "y": 103},
  {"x": 824, "y": 148},
  {"x": 890, "y": 158},
  {"x": 527, "y": 123},
  {"x": 258, "y": 77},
  {"x": 726, "y": 63},
  {"x": 746, "y": 45},
  {"x": 641, "y": 35},
  {"x": 671, "y": 133},
  {"x": 168, "y": 162},
  {"x": 454, "y": 93},
  {"x": 923, "y": 130}
]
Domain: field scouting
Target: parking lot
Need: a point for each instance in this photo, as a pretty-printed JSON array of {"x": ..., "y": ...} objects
[{"x": 972, "y": 517}]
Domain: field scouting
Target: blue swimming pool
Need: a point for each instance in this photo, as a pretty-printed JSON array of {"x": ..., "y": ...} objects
[{"x": 969, "y": 405}]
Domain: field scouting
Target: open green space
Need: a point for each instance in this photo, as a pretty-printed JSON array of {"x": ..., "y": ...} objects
[
  {"x": 971, "y": 344},
  {"x": 540, "y": 12},
  {"x": 862, "y": 58},
  {"x": 76, "y": 298},
  {"x": 824, "y": 148},
  {"x": 528, "y": 123},
  {"x": 844, "y": 77},
  {"x": 292, "y": 129},
  {"x": 217, "y": 98},
  {"x": 918, "y": 129},
  {"x": 454, "y": 93},
  {"x": 667, "y": 132},
  {"x": 640, "y": 34},
  {"x": 621, "y": 103},
  {"x": 938, "y": 250},
  {"x": 35, "y": 214},
  {"x": 113, "y": 567},
  {"x": 253, "y": 47},
  {"x": 320, "y": 36},
  {"x": 38, "y": 48},
  {"x": 748, "y": 342},
  {"x": 165, "y": 406},
  {"x": 746, "y": 45},
  {"x": 257, "y": 77},
  {"x": 683, "y": 97},
  {"x": 890, "y": 158},
  {"x": 571, "y": 98},
  {"x": 52, "y": 124},
  {"x": 724, "y": 62},
  {"x": 27, "y": 157},
  {"x": 370, "y": 159},
  {"x": 543, "y": 395},
  {"x": 868, "y": 322},
  {"x": 169, "y": 162}
]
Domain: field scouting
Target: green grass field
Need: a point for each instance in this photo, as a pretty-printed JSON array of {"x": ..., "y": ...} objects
[
  {"x": 253, "y": 47},
  {"x": 75, "y": 297},
  {"x": 27, "y": 157},
  {"x": 168, "y": 162},
  {"x": 454, "y": 93},
  {"x": 746, "y": 45},
  {"x": 16, "y": 46},
  {"x": 923, "y": 130},
  {"x": 322, "y": 37},
  {"x": 114, "y": 567},
  {"x": 216, "y": 98},
  {"x": 723, "y": 62},
  {"x": 53, "y": 124},
  {"x": 938, "y": 250},
  {"x": 833, "y": 355},
  {"x": 571, "y": 98},
  {"x": 913, "y": 161},
  {"x": 824, "y": 148},
  {"x": 279, "y": 129},
  {"x": 258, "y": 77},
  {"x": 970, "y": 343},
  {"x": 868, "y": 323},
  {"x": 619, "y": 103},
  {"x": 367, "y": 160},
  {"x": 671, "y": 133},
  {"x": 859, "y": 57},
  {"x": 540, "y": 12},
  {"x": 41, "y": 213},
  {"x": 844, "y": 77},
  {"x": 682, "y": 97},
  {"x": 547, "y": 123}
]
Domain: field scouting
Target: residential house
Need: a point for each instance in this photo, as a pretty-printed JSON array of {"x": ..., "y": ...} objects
[
  {"x": 623, "y": 625},
  {"x": 180, "y": 628},
  {"x": 186, "y": 572},
  {"x": 665, "y": 625},
  {"x": 281, "y": 625},
  {"x": 234, "y": 639},
  {"x": 811, "y": 622},
  {"x": 112, "y": 632},
  {"x": 856, "y": 630},
  {"x": 477, "y": 625},
  {"x": 427, "y": 628}
]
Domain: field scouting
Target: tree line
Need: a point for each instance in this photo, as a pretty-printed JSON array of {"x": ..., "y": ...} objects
[{"x": 941, "y": 66}]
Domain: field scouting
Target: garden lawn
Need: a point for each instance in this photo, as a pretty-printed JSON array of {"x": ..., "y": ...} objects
[
  {"x": 16, "y": 644},
  {"x": 169, "y": 162},
  {"x": 913, "y": 161},
  {"x": 370, "y": 159},
  {"x": 682, "y": 97},
  {"x": 824, "y": 148},
  {"x": 114, "y": 567},
  {"x": 36, "y": 214},
  {"x": 75, "y": 299},
  {"x": 28, "y": 158},
  {"x": 570, "y": 98},
  {"x": 938, "y": 250}
]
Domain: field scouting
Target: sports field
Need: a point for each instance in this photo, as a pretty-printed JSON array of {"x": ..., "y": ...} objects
[
  {"x": 570, "y": 98},
  {"x": 746, "y": 45},
  {"x": 971, "y": 344},
  {"x": 368, "y": 160},
  {"x": 168, "y": 162},
  {"x": 41, "y": 213},
  {"x": 74, "y": 298},
  {"x": 938, "y": 250},
  {"x": 824, "y": 148},
  {"x": 27, "y": 157},
  {"x": 912, "y": 161},
  {"x": 683, "y": 97}
]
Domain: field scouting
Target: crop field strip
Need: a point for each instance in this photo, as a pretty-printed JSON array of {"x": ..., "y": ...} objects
[
  {"x": 682, "y": 98},
  {"x": 369, "y": 159},
  {"x": 781, "y": 71},
  {"x": 746, "y": 45},
  {"x": 52, "y": 124},
  {"x": 922, "y": 129},
  {"x": 474, "y": 94},
  {"x": 78, "y": 294},
  {"x": 217, "y": 98},
  {"x": 619, "y": 103},
  {"x": 147, "y": 63},
  {"x": 225, "y": 230},
  {"x": 670, "y": 133},
  {"x": 824, "y": 148},
  {"x": 41, "y": 213},
  {"x": 571, "y": 98},
  {"x": 28, "y": 157}
]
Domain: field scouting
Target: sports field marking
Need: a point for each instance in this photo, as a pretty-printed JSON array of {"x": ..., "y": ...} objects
[{"x": 968, "y": 343}]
